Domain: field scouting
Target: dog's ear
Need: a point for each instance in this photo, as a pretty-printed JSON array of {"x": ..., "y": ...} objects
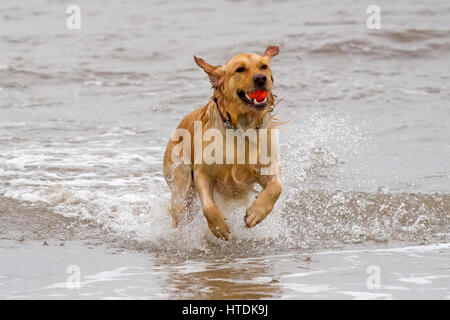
[
  {"x": 215, "y": 73},
  {"x": 271, "y": 51}
]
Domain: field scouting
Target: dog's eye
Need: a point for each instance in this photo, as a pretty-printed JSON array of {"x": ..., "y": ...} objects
[
  {"x": 264, "y": 66},
  {"x": 240, "y": 69}
]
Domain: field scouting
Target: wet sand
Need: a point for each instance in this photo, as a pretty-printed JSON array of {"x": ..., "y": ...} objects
[
  {"x": 36, "y": 265},
  {"x": 32, "y": 271}
]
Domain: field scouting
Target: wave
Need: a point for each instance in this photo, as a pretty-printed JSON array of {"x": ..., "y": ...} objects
[
  {"x": 412, "y": 35},
  {"x": 409, "y": 44},
  {"x": 17, "y": 77},
  {"x": 301, "y": 220},
  {"x": 114, "y": 192}
]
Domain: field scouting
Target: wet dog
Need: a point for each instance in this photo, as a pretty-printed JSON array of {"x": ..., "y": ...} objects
[{"x": 241, "y": 102}]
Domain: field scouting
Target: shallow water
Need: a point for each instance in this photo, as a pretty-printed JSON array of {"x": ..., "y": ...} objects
[
  {"x": 86, "y": 114},
  {"x": 406, "y": 273}
]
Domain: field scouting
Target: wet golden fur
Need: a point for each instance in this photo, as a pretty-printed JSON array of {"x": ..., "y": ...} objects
[{"x": 230, "y": 180}]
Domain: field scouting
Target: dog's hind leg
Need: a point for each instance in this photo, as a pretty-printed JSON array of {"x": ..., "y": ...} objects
[{"x": 182, "y": 189}]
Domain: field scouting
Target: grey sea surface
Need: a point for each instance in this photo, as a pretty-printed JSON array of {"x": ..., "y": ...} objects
[{"x": 85, "y": 116}]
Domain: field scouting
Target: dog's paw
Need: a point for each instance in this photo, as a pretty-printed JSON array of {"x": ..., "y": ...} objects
[
  {"x": 219, "y": 228},
  {"x": 254, "y": 215}
]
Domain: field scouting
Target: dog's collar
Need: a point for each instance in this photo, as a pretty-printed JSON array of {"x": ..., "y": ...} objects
[{"x": 227, "y": 122}]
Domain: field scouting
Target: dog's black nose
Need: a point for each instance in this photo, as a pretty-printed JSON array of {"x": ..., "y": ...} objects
[{"x": 259, "y": 80}]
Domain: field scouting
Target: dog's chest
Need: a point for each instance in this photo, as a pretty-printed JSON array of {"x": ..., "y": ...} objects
[{"x": 237, "y": 181}]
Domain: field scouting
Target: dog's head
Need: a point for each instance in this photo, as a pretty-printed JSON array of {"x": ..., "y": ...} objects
[{"x": 245, "y": 82}]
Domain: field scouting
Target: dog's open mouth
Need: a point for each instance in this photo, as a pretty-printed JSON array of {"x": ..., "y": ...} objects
[{"x": 257, "y": 99}]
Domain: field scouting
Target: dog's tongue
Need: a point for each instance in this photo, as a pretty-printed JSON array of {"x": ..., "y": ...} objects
[{"x": 259, "y": 95}]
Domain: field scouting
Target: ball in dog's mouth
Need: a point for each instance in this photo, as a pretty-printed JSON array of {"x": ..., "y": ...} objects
[{"x": 256, "y": 99}]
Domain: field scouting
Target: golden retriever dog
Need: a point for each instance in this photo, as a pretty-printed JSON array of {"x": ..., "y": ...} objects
[{"x": 242, "y": 99}]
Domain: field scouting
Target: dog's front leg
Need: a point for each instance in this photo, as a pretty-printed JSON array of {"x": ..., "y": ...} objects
[
  {"x": 216, "y": 221},
  {"x": 265, "y": 200}
]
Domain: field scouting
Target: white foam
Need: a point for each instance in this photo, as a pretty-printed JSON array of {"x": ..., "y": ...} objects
[
  {"x": 122, "y": 273},
  {"x": 364, "y": 295},
  {"x": 420, "y": 280},
  {"x": 305, "y": 288},
  {"x": 424, "y": 248},
  {"x": 303, "y": 274}
]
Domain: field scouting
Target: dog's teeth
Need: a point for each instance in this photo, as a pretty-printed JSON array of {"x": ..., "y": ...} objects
[
  {"x": 246, "y": 95},
  {"x": 255, "y": 102}
]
